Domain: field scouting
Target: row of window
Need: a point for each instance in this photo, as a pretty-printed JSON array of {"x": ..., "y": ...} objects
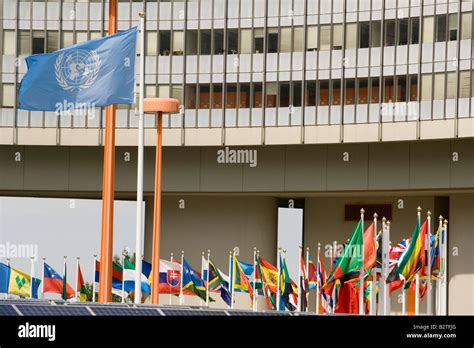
[{"x": 285, "y": 39}]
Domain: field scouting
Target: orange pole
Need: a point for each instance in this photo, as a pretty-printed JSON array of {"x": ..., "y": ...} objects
[
  {"x": 106, "y": 242},
  {"x": 155, "y": 291}
]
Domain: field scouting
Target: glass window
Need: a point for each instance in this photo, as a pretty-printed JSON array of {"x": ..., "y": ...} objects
[
  {"x": 245, "y": 40},
  {"x": 403, "y": 31},
  {"x": 272, "y": 39},
  {"x": 413, "y": 87},
  {"x": 350, "y": 92},
  {"x": 9, "y": 42},
  {"x": 401, "y": 92},
  {"x": 271, "y": 92},
  {"x": 351, "y": 35},
  {"x": 426, "y": 87},
  {"x": 244, "y": 96},
  {"x": 204, "y": 96},
  {"x": 390, "y": 32},
  {"x": 38, "y": 42},
  {"x": 165, "y": 42},
  {"x": 191, "y": 42},
  {"x": 191, "y": 97},
  {"x": 453, "y": 27},
  {"x": 205, "y": 42},
  {"x": 438, "y": 86},
  {"x": 441, "y": 28},
  {"x": 177, "y": 93},
  {"x": 337, "y": 36},
  {"x": 219, "y": 41},
  {"x": 323, "y": 93},
  {"x": 312, "y": 32},
  {"x": 232, "y": 41},
  {"x": 8, "y": 95},
  {"x": 298, "y": 39},
  {"x": 464, "y": 84},
  {"x": 296, "y": 93},
  {"x": 428, "y": 23},
  {"x": 325, "y": 40},
  {"x": 81, "y": 36},
  {"x": 415, "y": 30},
  {"x": 375, "y": 33},
  {"x": 388, "y": 90},
  {"x": 364, "y": 34},
  {"x": 231, "y": 97},
  {"x": 374, "y": 90},
  {"x": 178, "y": 44},
  {"x": 310, "y": 93},
  {"x": 164, "y": 91},
  {"x": 95, "y": 34},
  {"x": 258, "y": 42},
  {"x": 150, "y": 91},
  {"x": 336, "y": 92},
  {"x": 363, "y": 91},
  {"x": 217, "y": 96},
  {"x": 285, "y": 40},
  {"x": 284, "y": 94},
  {"x": 257, "y": 95},
  {"x": 466, "y": 25},
  {"x": 451, "y": 85},
  {"x": 25, "y": 42},
  {"x": 151, "y": 43}
]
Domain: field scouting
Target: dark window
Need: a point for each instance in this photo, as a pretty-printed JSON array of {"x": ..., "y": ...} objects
[
  {"x": 453, "y": 27},
  {"x": 375, "y": 32},
  {"x": 401, "y": 89},
  {"x": 218, "y": 41},
  {"x": 374, "y": 90},
  {"x": 310, "y": 93},
  {"x": 403, "y": 31},
  {"x": 257, "y": 95},
  {"x": 272, "y": 40},
  {"x": 363, "y": 91},
  {"x": 350, "y": 92},
  {"x": 415, "y": 30},
  {"x": 165, "y": 42},
  {"x": 204, "y": 96},
  {"x": 413, "y": 88},
  {"x": 217, "y": 96},
  {"x": 191, "y": 42},
  {"x": 258, "y": 40},
  {"x": 388, "y": 90},
  {"x": 244, "y": 96},
  {"x": 205, "y": 41},
  {"x": 38, "y": 45},
  {"x": 191, "y": 97},
  {"x": 232, "y": 41},
  {"x": 284, "y": 94},
  {"x": 231, "y": 101},
  {"x": 323, "y": 92},
  {"x": 390, "y": 32},
  {"x": 297, "y": 93},
  {"x": 364, "y": 34},
  {"x": 440, "y": 28},
  {"x": 336, "y": 92}
]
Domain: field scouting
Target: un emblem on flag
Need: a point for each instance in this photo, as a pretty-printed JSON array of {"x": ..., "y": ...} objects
[{"x": 77, "y": 69}]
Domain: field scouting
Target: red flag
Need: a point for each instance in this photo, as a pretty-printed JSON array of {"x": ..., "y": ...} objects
[
  {"x": 348, "y": 299},
  {"x": 370, "y": 252}
]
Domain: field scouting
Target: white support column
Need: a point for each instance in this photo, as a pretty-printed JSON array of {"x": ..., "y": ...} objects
[
  {"x": 429, "y": 292},
  {"x": 373, "y": 287},
  {"x": 362, "y": 273}
]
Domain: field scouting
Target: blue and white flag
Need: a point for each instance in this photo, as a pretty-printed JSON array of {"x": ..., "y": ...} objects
[{"x": 91, "y": 74}]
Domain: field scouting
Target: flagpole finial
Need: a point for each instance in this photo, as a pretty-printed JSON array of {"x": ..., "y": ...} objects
[
  {"x": 44, "y": 258},
  {"x": 254, "y": 248},
  {"x": 8, "y": 259},
  {"x": 384, "y": 219},
  {"x": 319, "y": 244},
  {"x": 376, "y": 215},
  {"x": 172, "y": 254},
  {"x": 428, "y": 213},
  {"x": 440, "y": 218},
  {"x": 445, "y": 221},
  {"x": 418, "y": 209},
  {"x": 78, "y": 258},
  {"x": 202, "y": 253},
  {"x": 95, "y": 255},
  {"x": 142, "y": 14},
  {"x": 65, "y": 257},
  {"x": 362, "y": 211},
  {"x": 388, "y": 222},
  {"x": 208, "y": 251},
  {"x": 307, "y": 249}
]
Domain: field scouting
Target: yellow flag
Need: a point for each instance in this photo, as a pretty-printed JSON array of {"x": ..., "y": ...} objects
[{"x": 19, "y": 283}]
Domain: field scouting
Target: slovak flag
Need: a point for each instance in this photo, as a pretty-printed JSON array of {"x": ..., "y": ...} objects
[
  {"x": 170, "y": 277},
  {"x": 53, "y": 282}
]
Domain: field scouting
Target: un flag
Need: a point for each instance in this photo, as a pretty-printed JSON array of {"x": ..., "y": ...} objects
[{"x": 91, "y": 74}]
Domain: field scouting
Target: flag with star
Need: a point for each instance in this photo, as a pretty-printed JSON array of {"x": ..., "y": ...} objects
[
  {"x": 192, "y": 281},
  {"x": 53, "y": 283}
]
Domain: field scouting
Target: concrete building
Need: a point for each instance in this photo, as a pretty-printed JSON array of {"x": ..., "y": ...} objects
[{"x": 367, "y": 102}]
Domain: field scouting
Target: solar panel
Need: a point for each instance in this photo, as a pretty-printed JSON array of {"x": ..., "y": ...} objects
[
  {"x": 52, "y": 310},
  {"x": 191, "y": 312},
  {"x": 248, "y": 313},
  {"x": 124, "y": 311},
  {"x": 7, "y": 310},
  {"x": 25, "y": 301}
]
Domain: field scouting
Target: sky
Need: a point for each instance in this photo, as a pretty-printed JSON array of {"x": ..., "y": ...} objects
[{"x": 62, "y": 227}]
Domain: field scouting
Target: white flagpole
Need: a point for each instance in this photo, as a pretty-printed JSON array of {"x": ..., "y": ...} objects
[
  {"x": 362, "y": 273},
  {"x": 429, "y": 310},
  {"x": 202, "y": 273},
  {"x": 318, "y": 291},
  {"x": 64, "y": 272},
  {"x": 299, "y": 307},
  {"x": 171, "y": 296},
  {"x": 93, "y": 280},
  {"x": 230, "y": 276},
  {"x": 417, "y": 276},
  {"x": 373, "y": 288},
  {"x": 334, "y": 291},
  {"x": 123, "y": 278},
  {"x": 181, "y": 295},
  {"x": 77, "y": 276},
  {"x": 438, "y": 279},
  {"x": 254, "y": 304},
  {"x": 384, "y": 289},
  {"x": 42, "y": 280},
  {"x": 444, "y": 281},
  {"x": 279, "y": 280},
  {"x": 32, "y": 275},
  {"x": 307, "y": 278},
  {"x": 141, "y": 141},
  {"x": 233, "y": 280},
  {"x": 207, "y": 276}
]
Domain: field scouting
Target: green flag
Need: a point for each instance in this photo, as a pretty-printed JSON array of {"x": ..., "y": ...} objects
[{"x": 64, "y": 294}]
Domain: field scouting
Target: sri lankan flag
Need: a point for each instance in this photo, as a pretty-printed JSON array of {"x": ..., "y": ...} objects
[{"x": 240, "y": 280}]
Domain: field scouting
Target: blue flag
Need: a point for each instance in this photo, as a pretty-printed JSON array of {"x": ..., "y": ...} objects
[
  {"x": 91, "y": 74},
  {"x": 4, "y": 278}
]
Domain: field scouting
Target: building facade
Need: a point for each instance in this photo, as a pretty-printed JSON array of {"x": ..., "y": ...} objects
[{"x": 346, "y": 102}]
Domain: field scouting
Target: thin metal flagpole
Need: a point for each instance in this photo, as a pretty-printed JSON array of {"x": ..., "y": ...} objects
[
  {"x": 318, "y": 290},
  {"x": 444, "y": 283},
  {"x": 384, "y": 268},
  {"x": 32, "y": 275},
  {"x": 77, "y": 276},
  {"x": 181, "y": 295},
  {"x": 207, "y": 276},
  {"x": 202, "y": 274},
  {"x": 230, "y": 277},
  {"x": 262, "y": 284},
  {"x": 254, "y": 304},
  {"x": 42, "y": 282},
  {"x": 299, "y": 278},
  {"x": 233, "y": 280},
  {"x": 388, "y": 299},
  {"x": 438, "y": 279},
  {"x": 417, "y": 276},
  {"x": 362, "y": 273},
  {"x": 334, "y": 291},
  {"x": 93, "y": 279},
  {"x": 171, "y": 296},
  {"x": 307, "y": 278},
  {"x": 65, "y": 274},
  {"x": 123, "y": 278},
  {"x": 373, "y": 288},
  {"x": 279, "y": 280},
  {"x": 429, "y": 294},
  {"x": 141, "y": 141}
]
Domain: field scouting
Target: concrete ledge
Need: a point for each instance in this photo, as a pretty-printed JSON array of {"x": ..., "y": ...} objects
[
  {"x": 282, "y": 135},
  {"x": 203, "y": 137},
  {"x": 171, "y": 137},
  {"x": 322, "y": 134},
  {"x": 398, "y": 131},
  {"x": 79, "y": 137},
  {"x": 437, "y": 129},
  {"x": 6, "y": 136},
  {"x": 243, "y": 136},
  {"x": 361, "y": 133},
  {"x": 466, "y": 127},
  {"x": 36, "y": 136}
]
